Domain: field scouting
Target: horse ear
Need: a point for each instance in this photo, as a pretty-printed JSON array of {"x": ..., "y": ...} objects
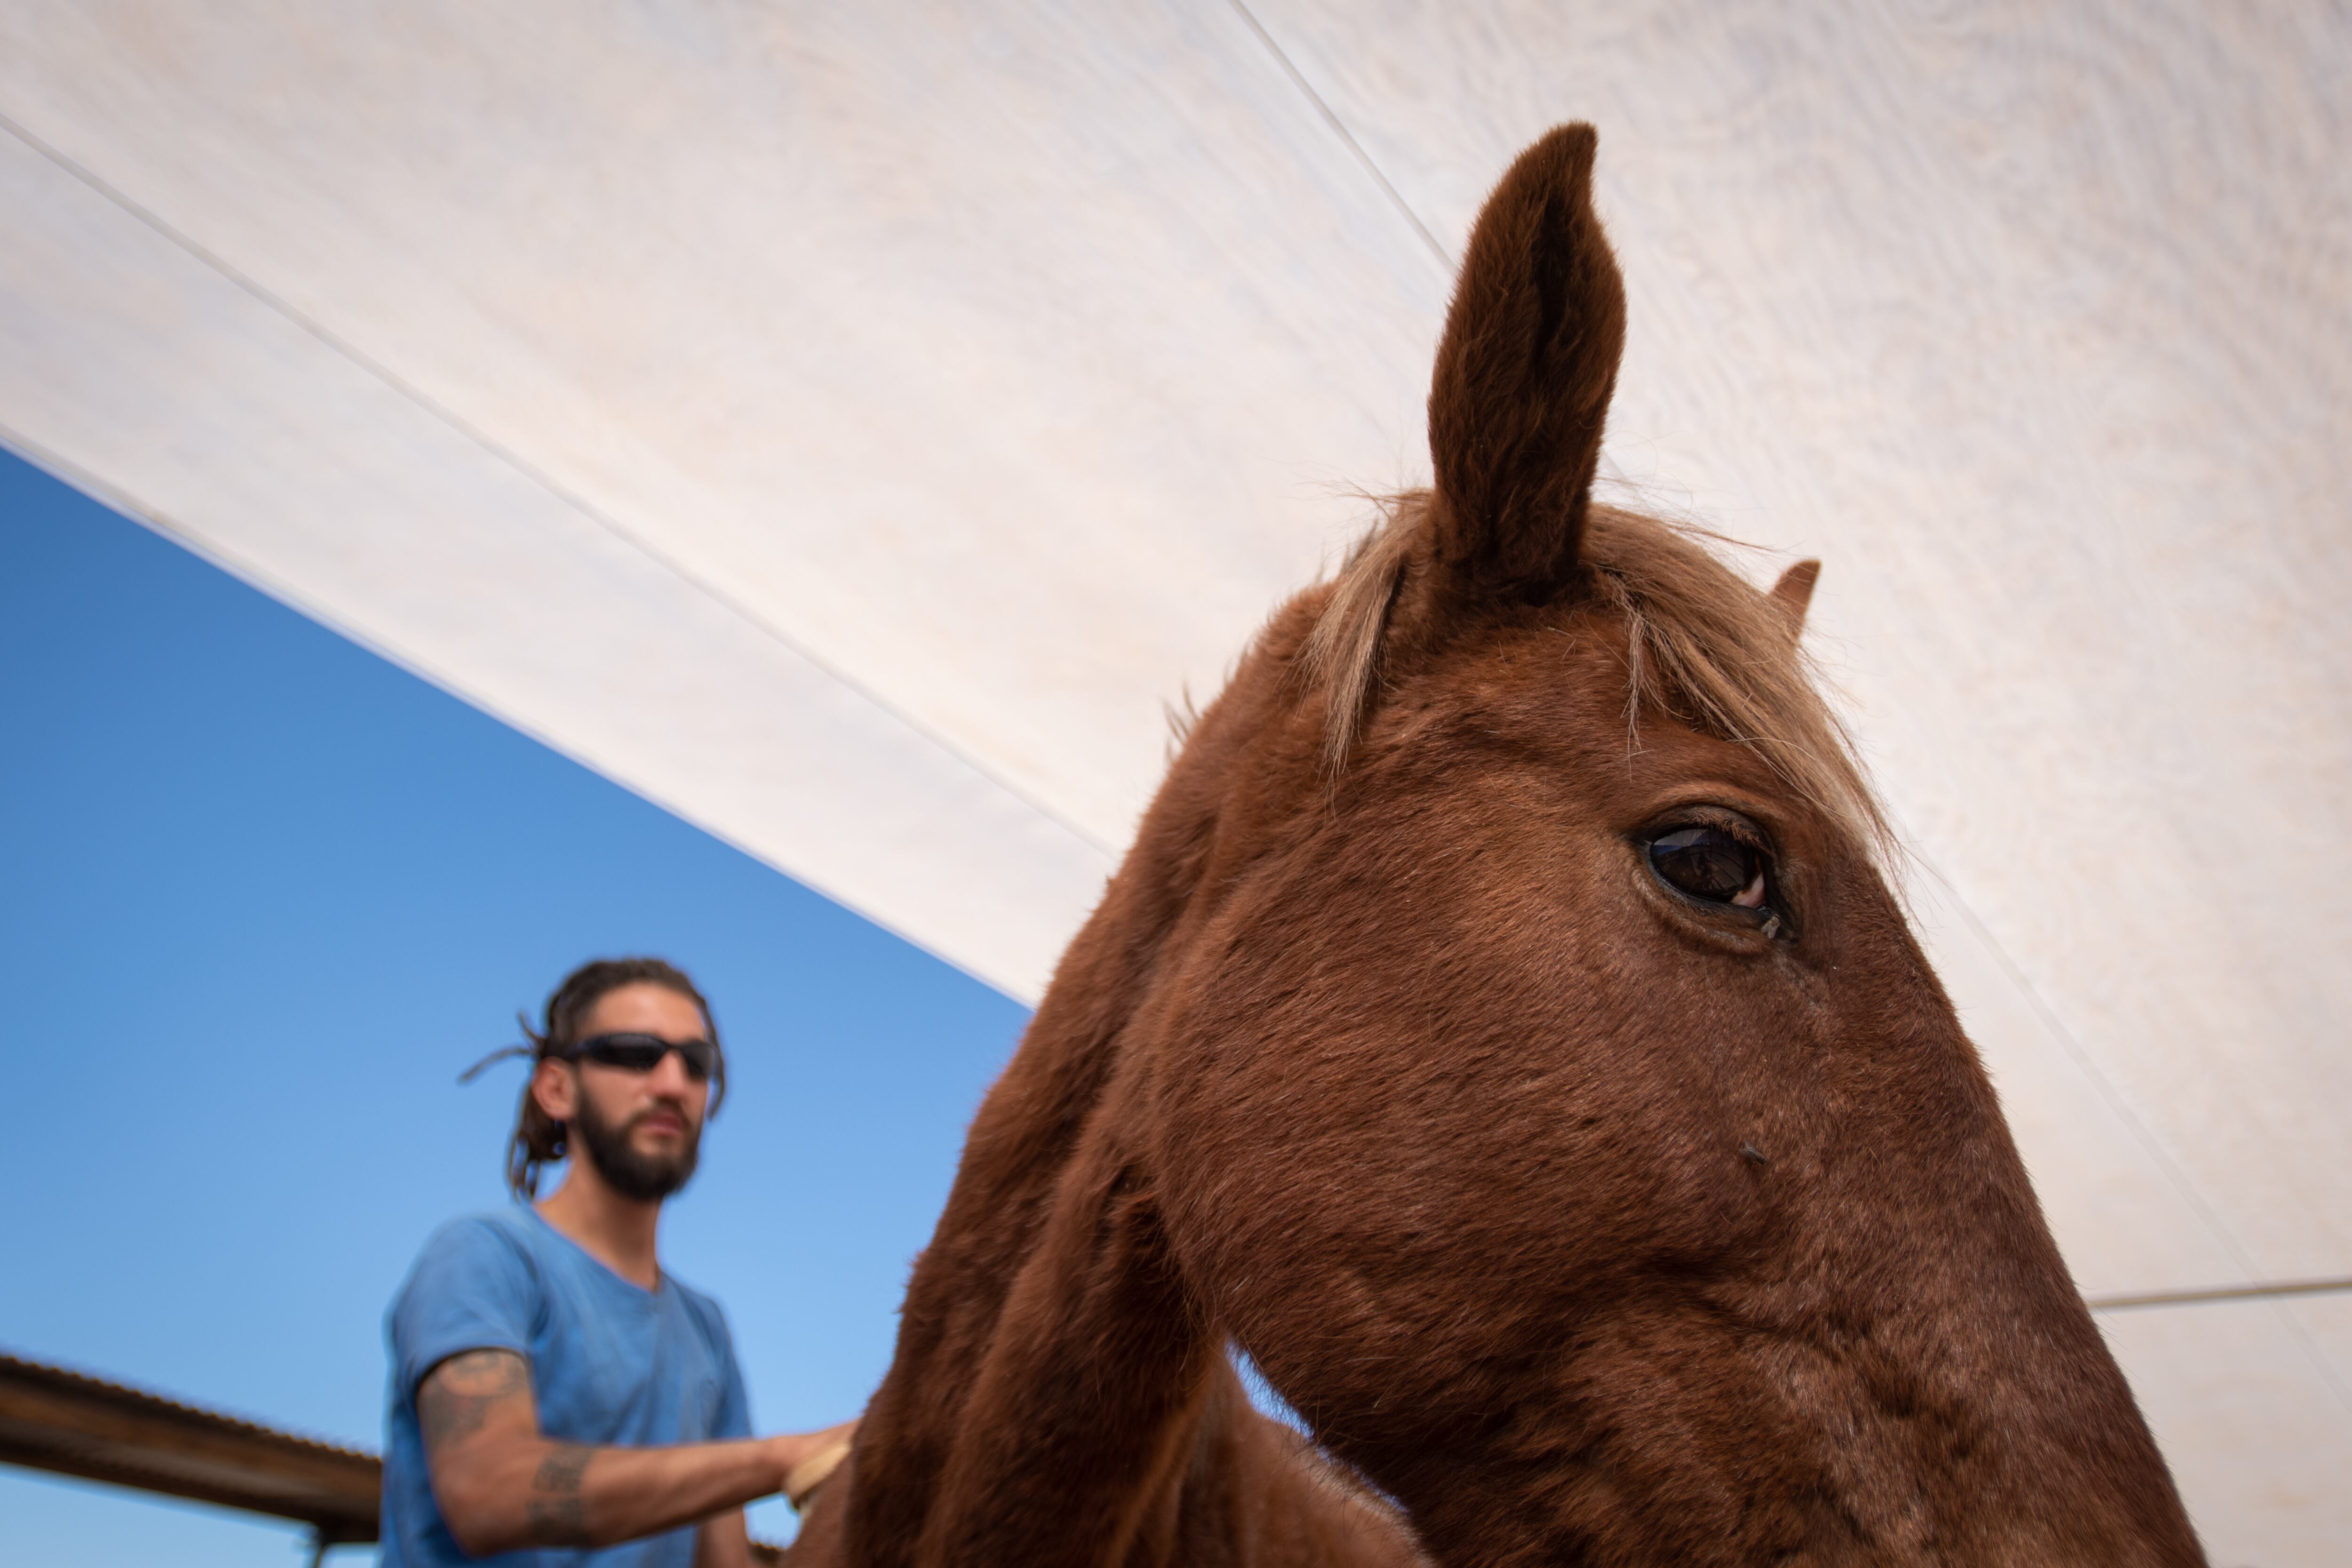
[
  {"x": 1525, "y": 374},
  {"x": 1794, "y": 591}
]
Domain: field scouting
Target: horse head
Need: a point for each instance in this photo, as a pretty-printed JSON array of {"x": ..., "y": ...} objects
[{"x": 1503, "y": 1030}]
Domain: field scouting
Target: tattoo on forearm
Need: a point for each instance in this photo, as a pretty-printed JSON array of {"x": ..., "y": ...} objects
[
  {"x": 562, "y": 1469},
  {"x": 563, "y": 1512},
  {"x": 456, "y": 1397}
]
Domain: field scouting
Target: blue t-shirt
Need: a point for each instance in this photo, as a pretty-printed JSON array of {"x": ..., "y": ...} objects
[{"x": 611, "y": 1365}]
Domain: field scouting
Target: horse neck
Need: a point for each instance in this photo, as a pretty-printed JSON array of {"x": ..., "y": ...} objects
[{"x": 1024, "y": 1150}]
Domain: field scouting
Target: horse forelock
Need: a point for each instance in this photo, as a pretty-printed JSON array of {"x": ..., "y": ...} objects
[{"x": 1702, "y": 645}]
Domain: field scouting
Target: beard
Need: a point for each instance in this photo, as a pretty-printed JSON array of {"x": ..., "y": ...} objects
[{"x": 640, "y": 1178}]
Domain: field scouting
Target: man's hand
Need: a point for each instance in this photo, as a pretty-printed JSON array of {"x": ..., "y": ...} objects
[
  {"x": 809, "y": 1456},
  {"x": 502, "y": 1485}
]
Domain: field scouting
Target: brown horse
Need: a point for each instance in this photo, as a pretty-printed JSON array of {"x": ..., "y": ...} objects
[{"x": 1501, "y": 1030}]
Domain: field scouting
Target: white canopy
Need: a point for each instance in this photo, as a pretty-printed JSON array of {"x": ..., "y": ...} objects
[{"x": 850, "y": 426}]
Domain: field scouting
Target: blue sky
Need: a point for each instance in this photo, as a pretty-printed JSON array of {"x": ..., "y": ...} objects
[{"x": 265, "y": 896}]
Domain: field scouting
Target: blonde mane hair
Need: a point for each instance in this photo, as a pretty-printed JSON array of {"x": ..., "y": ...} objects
[{"x": 1702, "y": 645}]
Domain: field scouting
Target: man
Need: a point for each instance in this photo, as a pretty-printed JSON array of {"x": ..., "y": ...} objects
[{"x": 551, "y": 1386}]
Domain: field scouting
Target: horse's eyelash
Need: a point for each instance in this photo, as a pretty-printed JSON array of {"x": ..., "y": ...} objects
[{"x": 1722, "y": 821}]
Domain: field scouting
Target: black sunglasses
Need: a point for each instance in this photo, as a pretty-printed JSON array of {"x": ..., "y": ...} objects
[{"x": 643, "y": 1053}]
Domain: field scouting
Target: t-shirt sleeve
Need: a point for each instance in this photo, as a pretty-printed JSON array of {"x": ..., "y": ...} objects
[
  {"x": 734, "y": 1417},
  {"x": 473, "y": 1289},
  {"x": 734, "y": 1405}
]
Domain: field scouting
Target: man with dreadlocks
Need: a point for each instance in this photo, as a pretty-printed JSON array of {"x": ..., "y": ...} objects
[{"x": 552, "y": 1384}]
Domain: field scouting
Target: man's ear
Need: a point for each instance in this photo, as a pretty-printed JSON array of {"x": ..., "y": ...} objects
[
  {"x": 1793, "y": 591},
  {"x": 1524, "y": 377},
  {"x": 555, "y": 1089}
]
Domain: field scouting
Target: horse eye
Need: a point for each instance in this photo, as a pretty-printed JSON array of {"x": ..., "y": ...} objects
[{"x": 1710, "y": 864}]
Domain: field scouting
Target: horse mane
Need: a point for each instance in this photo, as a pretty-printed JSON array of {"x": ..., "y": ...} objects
[{"x": 1701, "y": 645}]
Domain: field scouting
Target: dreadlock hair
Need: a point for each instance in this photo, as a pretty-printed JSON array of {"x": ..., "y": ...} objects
[{"x": 539, "y": 1138}]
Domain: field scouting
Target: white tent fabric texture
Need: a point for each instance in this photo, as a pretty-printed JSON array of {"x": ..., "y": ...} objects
[{"x": 851, "y": 426}]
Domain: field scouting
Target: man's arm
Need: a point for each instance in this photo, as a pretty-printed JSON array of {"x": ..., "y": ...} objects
[
  {"x": 501, "y": 1485},
  {"x": 723, "y": 1542}
]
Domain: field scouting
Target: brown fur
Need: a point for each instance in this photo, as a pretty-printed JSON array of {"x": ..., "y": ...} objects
[{"x": 1587, "y": 1222}]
